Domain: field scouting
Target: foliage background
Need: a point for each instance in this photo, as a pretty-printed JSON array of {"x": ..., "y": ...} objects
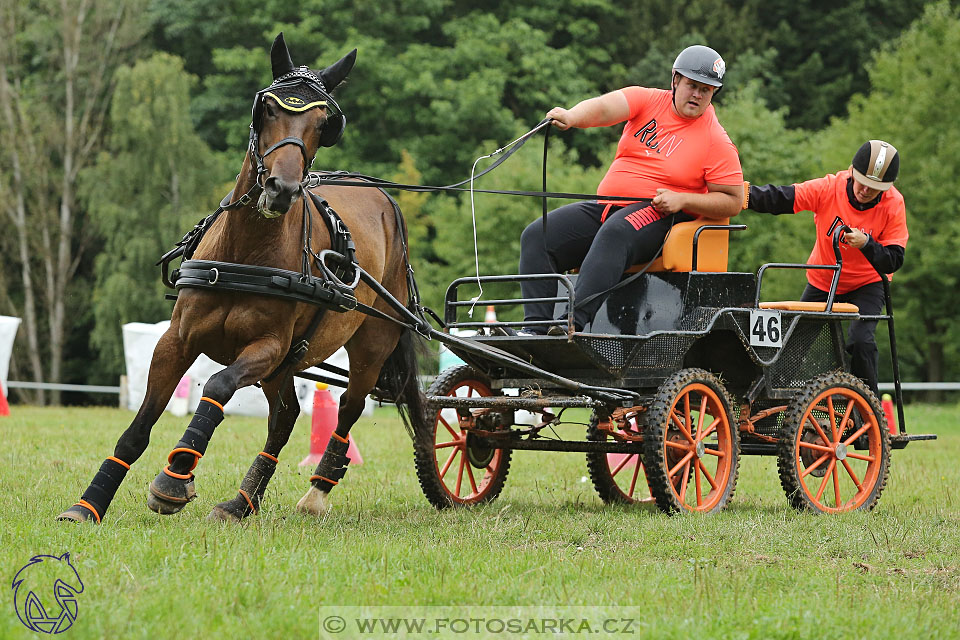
[{"x": 122, "y": 123}]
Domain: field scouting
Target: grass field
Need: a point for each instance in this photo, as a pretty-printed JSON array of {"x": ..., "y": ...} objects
[{"x": 758, "y": 570}]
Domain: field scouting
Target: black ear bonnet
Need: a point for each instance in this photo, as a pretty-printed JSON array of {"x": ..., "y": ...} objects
[{"x": 298, "y": 91}]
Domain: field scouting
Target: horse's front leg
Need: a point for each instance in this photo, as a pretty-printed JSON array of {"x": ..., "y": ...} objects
[
  {"x": 170, "y": 360},
  {"x": 173, "y": 487},
  {"x": 284, "y": 409},
  {"x": 366, "y": 359}
]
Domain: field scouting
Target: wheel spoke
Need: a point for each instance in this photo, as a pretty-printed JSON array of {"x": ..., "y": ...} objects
[
  {"x": 816, "y": 425},
  {"x": 859, "y": 456},
  {"x": 677, "y": 445},
  {"x": 446, "y": 466},
  {"x": 713, "y": 483},
  {"x": 853, "y": 476},
  {"x": 685, "y": 459},
  {"x": 473, "y": 481},
  {"x": 710, "y": 430},
  {"x": 836, "y": 484},
  {"x": 826, "y": 477},
  {"x": 696, "y": 472},
  {"x": 815, "y": 447},
  {"x": 463, "y": 459},
  {"x": 856, "y": 435},
  {"x": 684, "y": 481},
  {"x": 846, "y": 418},
  {"x": 833, "y": 419},
  {"x": 633, "y": 480},
  {"x": 622, "y": 464},
  {"x": 682, "y": 427},
  {"x": 703, "y": 413},
  {"x": 715, "y": 452},
  {"x": 444, "y": 422},
  {"x": 816, "y": 464},
  {"x": 445, "y": 445}
]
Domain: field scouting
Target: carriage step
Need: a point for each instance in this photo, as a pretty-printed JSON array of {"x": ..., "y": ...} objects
[{"x": 899, "y": 441}]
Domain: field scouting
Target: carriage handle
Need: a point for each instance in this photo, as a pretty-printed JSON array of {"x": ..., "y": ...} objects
[
  {"x": 840, "y": 229},
  {"x": 708, "y": 227}
]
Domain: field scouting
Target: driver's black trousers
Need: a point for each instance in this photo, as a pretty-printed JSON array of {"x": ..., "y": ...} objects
[
  {"x": 861, "y": 343},
  {"x": 602, "y": 240}
]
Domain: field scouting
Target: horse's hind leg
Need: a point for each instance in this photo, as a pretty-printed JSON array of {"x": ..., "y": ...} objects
[
  {"x": 173, "y": 487},
  {"x": 368, "y": 350},
  {"x": 168, "y": 365},
  {"x": 284, "y": 409}
]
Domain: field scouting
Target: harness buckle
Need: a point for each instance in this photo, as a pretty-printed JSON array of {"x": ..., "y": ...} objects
[{"x": 213, "y": 276}]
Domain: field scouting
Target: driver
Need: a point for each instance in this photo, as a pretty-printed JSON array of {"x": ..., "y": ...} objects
[{"x": 673, "y": 156}]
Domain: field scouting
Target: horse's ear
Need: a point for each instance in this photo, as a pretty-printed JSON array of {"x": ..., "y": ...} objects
[
  {"x": 335, "y": 73},
  {"x": 280, "y": 57}
]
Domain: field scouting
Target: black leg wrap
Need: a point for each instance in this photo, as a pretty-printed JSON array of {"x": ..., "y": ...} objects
[
  {"x": 201, "y": 427},
  {"x": 104, "y": 486},
  {"x": 333, "y": 465},
  {"x": 250, "y": 495}
]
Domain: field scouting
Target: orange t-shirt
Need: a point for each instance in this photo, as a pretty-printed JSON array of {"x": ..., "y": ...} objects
[
  {"x": 827, "y": 198},
  {"x": 661, "y": 150}
]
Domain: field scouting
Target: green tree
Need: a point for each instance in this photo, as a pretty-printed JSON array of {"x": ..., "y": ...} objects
[
  {"x": 56, "y": 64},
  {"x": 168, "y": 177},
  {"x": 908, "y": 104}
]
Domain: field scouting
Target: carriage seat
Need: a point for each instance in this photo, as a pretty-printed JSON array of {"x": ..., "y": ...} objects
[
  {"x": 677, "y": 254},
  {"x": 797, "y": 305}
]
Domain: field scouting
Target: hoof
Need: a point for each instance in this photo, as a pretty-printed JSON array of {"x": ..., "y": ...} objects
[
  {"x": 169, "y": 495},
  {"x": 314, "y": 502},
  {"x": 78, "y": 513},
  {"x": 221, "y": 513},
  {"x": 231, "y": 511}
]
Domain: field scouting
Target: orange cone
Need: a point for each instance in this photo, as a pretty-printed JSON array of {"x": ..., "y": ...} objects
[
  {"x": 323, "y": 423},
  {"x": 491, "y": 315},
  {"x": 887, "y": 404},
  {"x": 4, "y": 407}
]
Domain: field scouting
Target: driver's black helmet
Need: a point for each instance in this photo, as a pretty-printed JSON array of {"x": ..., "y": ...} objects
[{"x": 702, "y": 64}]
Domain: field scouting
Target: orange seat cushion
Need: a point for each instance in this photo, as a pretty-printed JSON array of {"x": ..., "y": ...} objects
[{"x": 796, "y": 305}]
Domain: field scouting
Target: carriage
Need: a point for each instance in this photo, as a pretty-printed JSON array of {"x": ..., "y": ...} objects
[{"x": 683, "y": 370}]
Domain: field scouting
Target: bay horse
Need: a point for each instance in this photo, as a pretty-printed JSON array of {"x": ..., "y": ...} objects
[{"x": 255, "y": 335}]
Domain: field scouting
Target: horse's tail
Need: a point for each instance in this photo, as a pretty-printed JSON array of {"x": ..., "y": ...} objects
[{"x": 400, "y": 379}]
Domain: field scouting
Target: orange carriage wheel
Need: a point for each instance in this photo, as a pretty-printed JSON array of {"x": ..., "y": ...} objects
[
  {"x": 691, "y": 447},
  {"x": 619, "y": 478},
  {"x": 834, "y": 454},
  {"x": 453, "y": 467}
]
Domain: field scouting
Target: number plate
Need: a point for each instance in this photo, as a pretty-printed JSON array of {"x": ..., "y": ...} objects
[{"x": 766, "y": 329}]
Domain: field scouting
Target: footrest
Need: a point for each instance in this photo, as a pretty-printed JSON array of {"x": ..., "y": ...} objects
[
  {"x": 797, "y": 305},
  {"x": 901, "y": 440}
]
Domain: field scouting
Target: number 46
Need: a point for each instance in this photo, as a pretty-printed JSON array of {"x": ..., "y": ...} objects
[{"x": 765, "y": 328}]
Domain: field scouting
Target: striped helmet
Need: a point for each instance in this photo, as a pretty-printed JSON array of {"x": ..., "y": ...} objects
[{"x": 876, "y": 164}]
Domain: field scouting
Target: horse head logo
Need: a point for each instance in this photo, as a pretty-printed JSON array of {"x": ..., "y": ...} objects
[{"x": 39, "y": 584}]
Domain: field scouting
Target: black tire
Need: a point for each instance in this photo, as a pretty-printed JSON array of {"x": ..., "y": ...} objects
[
  {"x": 606, "y": 470},
  {"x": 854, "y": 459},
  {"x": 701, "y": 450},
  {"x": 438, "y": 435}
]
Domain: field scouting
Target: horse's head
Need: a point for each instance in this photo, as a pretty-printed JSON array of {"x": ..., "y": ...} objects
[{"x": 292, "y": 118}]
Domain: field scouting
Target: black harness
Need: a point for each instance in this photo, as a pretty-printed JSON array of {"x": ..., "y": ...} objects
[{"x": 334, "y": 289}]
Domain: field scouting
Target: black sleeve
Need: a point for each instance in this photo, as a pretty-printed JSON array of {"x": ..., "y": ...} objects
[
  {"x": 772, "y": 199},
  {"x": 885, "y": 259}
]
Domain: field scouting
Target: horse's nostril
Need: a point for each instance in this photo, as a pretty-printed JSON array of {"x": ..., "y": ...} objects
[{"x": 273, "y": 186}]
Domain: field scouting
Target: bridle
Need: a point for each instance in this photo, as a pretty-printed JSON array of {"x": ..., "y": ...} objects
[{"x": 330, "y": 134}]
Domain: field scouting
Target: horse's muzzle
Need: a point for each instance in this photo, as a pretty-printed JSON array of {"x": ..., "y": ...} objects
[{"x": 278, "y": 196}]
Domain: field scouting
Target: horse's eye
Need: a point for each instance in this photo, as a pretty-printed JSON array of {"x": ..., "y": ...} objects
[{"x": 270, "y": 109}]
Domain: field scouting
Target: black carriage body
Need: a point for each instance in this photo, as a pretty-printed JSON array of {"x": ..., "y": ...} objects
[{"x": 663, "y": 322}]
